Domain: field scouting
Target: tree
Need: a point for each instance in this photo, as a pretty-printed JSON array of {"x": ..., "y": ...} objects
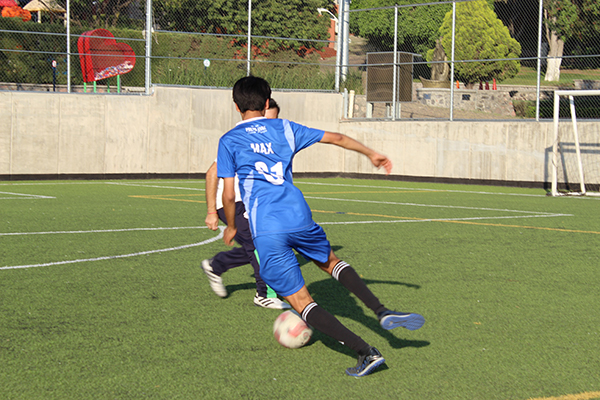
[
  {"x": 417, "y": 26},
  {"x": 480, "y": 35},
  {"x": 275, "y": 18},
  {"x": 564, "y": 19},
  {"x": 104, "y": 13},
  {"x": 560, "y": 18}
]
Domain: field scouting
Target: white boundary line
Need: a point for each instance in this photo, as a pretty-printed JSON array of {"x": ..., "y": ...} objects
[
  {"x": 429, "y": 205},
  {"x": 532, "y": 214},
  {"x": 100, "y": 231},
  {"x": 416, "y": 188},
  {"x": 152, "y": 186},
  {"x": 90, "y": 182},
  {"x": 219, "y": 236},
  {"x": 25, "y": 196},
  {"x": 396, "y": 221},
  {"x": 295, "y": 182}
]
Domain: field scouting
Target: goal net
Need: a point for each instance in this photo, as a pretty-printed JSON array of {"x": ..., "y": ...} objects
[{"x": 575, "y": 159}]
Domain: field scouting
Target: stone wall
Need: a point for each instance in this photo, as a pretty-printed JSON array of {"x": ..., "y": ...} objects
[
  {"x": 486, "y": 101},
  {"x": 489, "y": 103}
]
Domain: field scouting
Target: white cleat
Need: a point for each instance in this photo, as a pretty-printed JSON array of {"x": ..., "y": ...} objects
[
  {"x": 216, "y": 283},
  {"x": 268, "y": 302}
]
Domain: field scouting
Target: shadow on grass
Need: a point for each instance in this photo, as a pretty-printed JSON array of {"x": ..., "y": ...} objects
[
  {"x": 242, "y": 286},
  {"x": 336, "y": 299}
]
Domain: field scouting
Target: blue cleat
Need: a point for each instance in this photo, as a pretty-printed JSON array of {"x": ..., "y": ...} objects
[
  {"x": 393, "y": 319},
  {"x": 366, "y": 364}
]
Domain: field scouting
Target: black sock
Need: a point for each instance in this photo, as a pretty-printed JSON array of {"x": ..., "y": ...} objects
[
  {"x": 348, "y": 277},
  {"x": 322, "y": 320}
]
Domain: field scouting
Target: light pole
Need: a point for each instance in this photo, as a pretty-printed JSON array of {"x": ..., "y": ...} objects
[
  {"x": 333, "y": 17},
  {"x": 345, "y": 33}
]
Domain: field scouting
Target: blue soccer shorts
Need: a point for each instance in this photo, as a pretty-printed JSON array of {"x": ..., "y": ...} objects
[{"x": 279, "y": 267}]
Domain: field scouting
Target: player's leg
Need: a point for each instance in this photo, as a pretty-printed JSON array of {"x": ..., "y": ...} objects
[
  {"x": 369, "y": 358},
  {"x": 219, "y": 264},
  {"x": 244, "y": 238},
  {"x": 347, "y": 276},
  {"x": 215, "y": 267},
  {"x": 341, "y": 271},
  {"x": 280, "y": 269}
]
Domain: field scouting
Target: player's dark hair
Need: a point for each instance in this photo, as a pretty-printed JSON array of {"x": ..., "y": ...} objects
[
  {"x": 273, "y": 104},
  {"x": 251, "y": 93}
]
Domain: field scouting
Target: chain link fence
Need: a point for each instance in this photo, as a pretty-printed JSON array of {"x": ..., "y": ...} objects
[
  {"x": 205, "y": 44},
  {"x": 190, "y": 43},
  {"x": 462, "y": 59},
  {"x": 472, "y": 59}
]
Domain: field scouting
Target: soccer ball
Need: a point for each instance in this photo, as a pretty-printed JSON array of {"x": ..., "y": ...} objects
[{"x": 291, "y": 331}]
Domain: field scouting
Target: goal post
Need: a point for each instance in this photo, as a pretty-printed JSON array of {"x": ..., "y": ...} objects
[{"x": 571, "y": 167}]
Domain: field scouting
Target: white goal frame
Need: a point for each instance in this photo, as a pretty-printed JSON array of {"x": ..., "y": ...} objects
[{"x": 570, "y": 94}]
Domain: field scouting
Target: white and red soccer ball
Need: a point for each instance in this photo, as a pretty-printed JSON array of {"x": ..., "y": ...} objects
[{"x": 291, "y": 331}]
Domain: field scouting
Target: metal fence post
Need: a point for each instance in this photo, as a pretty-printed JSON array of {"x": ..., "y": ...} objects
[
  {"x": 68, "y": 46},
  {"x": 345, "y": 38},
  {"x": 338, "y": 48},
  {"x": 249, "y": 37},
  {"x": 452, "y": 61},
  {"x": 148, "y": 80},
  {"x": 395, "y": 72},
  {"x": 539, "y": 60}
]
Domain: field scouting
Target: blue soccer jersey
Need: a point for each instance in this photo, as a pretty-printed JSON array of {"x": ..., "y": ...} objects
[{"x": 261, "y": 151}]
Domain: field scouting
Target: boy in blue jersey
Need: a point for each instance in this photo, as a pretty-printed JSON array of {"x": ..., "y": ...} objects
[
  {"x": 261, "y": 151},
  {"x": 223, "y": 261}
]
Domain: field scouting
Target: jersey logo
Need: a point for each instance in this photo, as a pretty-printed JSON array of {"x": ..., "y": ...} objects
[
  {"x": 256, "y": 129},
  {"x": 264, "y": 148}
]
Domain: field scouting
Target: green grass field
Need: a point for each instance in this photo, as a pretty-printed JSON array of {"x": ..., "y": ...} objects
[
  {"x": 528, "y": 76},
  {"x": 102, "y": 295}
]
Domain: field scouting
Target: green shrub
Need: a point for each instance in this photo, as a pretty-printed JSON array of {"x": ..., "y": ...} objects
[{"x": 481, "y": 36}]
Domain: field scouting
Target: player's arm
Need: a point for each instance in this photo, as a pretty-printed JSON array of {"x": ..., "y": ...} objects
[
  {"x": 229, "y": 209},
  {"x": 212, "y": 218},
  {"x": 341, "y": 140}
]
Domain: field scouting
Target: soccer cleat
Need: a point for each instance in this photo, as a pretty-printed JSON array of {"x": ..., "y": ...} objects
[
  {"x": 268, "y": 302},
  {"x": 216, "y": 283},
  {"x": 366, "y": 364},
  {"x": 393, "y": 319}
]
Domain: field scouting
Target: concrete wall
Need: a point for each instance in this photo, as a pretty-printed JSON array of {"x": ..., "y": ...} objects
[{"x": 176, "y": 131}]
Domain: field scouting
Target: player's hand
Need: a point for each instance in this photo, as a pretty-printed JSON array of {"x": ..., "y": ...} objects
[
  {"x": 212, "y": 221},
  {"x": 228, "y": 235},
  {"x": 379, "y": 160}
]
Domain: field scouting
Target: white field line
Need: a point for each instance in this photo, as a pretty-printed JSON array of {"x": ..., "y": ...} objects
[
  {"x": 221, "y": 235},
  {"x": 396, "y": 221},
  {"x": 24, "y": 196},
  {"x": 429, "y": 205},
  {"x": 295, "y": 182},
  {"x": 420, "y": 189},
  {"x": 152, "y": 186},
  {"x": 84, "y": 183},
  {"x": 532, "y": 214},
  {"x": 100, "y": 231},
  {"x": 49, "y": 183},
  {"x": 141, "y": 253}
]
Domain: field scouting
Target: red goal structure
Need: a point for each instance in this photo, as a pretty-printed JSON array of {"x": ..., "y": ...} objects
[{"x": 101, "y": 57}]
